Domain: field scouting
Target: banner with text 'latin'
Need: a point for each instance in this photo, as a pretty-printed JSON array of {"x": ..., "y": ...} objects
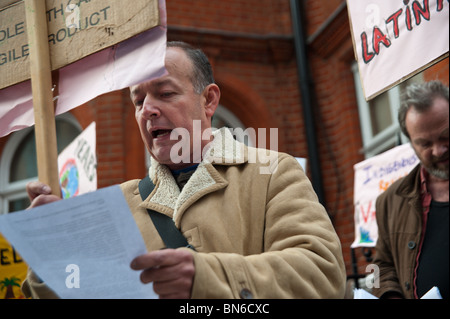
[{"x": 396, "y": 39}]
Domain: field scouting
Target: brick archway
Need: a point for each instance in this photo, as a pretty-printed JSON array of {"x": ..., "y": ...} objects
[{"x": 247, "y": 105}]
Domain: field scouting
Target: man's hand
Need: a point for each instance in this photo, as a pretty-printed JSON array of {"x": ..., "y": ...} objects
[
  {"x": 40, "y": 194},
  {"x": 171, "y": 271}
]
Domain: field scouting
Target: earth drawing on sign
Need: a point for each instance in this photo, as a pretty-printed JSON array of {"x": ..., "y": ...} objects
[{"x": 68, "y": 179}]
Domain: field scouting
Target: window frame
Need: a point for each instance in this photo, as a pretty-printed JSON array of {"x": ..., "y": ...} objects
[
  {"x": 16, "y": 190},
  {"x": 388, "y": 137},
  {"x": 233, "y": 121}
]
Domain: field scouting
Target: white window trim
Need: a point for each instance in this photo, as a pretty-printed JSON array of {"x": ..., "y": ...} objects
[
  {"x": 234, "y": 121},
  {"x": 16, "y": 190},
  {"x": 374, "y": 144}
]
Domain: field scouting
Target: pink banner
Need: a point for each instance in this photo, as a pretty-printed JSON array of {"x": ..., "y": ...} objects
[{"x": 130, "y": 62}]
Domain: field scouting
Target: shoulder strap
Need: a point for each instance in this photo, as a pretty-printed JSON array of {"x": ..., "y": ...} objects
[{"x": 165, "y": 226}]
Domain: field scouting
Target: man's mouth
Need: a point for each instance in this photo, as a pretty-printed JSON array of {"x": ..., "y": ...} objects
[
  {"x": 442, "y": 160},
  {"x": 160, "y": 133}
]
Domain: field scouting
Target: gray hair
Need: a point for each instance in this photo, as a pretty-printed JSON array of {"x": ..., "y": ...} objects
[
  {"x": 420, "y": 96},
  {"x": 202, "y": 74}
]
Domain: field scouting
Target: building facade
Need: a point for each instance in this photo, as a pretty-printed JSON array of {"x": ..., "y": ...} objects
[{"x": 253, "y": 48}]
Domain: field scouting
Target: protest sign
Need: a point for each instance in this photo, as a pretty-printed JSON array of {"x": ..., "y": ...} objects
[
  {"x": 395, "y": 39},
  {"x": 137, "y": 56},
  {"x": 78, "y": 164},
  {"x": 372, "y": 177},
  {"x": 78, "y": 175},
  {"x": 13, "y": 271},
  {"x": 132, "y": 61},
  {"x": 76, "y": 29}
]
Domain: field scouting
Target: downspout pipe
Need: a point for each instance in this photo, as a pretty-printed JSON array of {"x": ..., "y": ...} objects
[{"x": 305, "y": 85}]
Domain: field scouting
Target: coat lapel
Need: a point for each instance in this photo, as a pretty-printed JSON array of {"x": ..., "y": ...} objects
[{"x": 167, "y": 198}]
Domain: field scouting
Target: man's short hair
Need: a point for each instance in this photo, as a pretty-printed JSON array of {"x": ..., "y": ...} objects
[
  {"x": 202, "y": 74},
  {"x": 420, "y": 96}
]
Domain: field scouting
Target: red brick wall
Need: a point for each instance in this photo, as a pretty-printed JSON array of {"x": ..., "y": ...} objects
[
  {"x": 244, "y": 16},
  {"x": 318, "y": 12},
  {"x": 438, "y": 71},
  {"x": 120, "y": 151}
]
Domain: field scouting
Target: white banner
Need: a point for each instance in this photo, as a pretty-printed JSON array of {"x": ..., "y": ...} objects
[
  {"x": 77, "y": 164},
  {"x": 372, "y": 177},
  {"x": 395, "y": 39}
]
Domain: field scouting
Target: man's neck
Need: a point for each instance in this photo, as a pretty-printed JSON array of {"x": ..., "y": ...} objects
[
  {"x": 439, "y": 188},
  {"x": 196, "y": 155}
]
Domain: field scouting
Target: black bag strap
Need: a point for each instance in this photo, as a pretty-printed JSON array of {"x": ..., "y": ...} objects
[{"x": 165, "y": 226}]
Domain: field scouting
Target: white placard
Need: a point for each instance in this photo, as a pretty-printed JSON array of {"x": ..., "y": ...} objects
[
  {"x": 77, "y": 165},
  {"x": 395, "y": 39},
  {"x": 372, "y": 177}
]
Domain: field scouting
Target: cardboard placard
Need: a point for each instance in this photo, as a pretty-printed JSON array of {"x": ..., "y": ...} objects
[{"x": 76, "y": 29}]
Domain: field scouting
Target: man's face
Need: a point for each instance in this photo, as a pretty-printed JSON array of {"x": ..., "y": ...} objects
[
  {"x": 428, "y": 133},
  {"x": 169, "y": 102}
]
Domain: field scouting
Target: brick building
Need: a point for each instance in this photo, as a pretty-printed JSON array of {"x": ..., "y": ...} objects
[{"x": 252, "y": 47}]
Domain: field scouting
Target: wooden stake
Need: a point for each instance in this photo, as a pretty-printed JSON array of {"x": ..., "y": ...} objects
[{"x": 41, "y": 83}]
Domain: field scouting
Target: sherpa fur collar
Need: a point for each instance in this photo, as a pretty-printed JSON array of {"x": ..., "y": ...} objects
[{"x": 223, "y": 150}]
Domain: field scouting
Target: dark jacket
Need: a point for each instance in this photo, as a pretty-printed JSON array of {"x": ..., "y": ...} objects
[{"x": 399, "y": 214}]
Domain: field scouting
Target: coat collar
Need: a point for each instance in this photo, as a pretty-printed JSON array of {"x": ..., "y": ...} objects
[
  {"x": 167, "y": 198},
  {"x": 411, "y": 183},
  {"x": 412, "y": 187}
]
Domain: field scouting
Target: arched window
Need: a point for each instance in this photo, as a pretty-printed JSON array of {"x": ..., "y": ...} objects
[
  {"x": 224, "y": 117},
  {"x": 18, "y": 162}
]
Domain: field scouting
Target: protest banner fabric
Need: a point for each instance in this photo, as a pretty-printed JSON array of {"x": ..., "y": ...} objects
[
  {"x": 372, "y": 177},
  {"x": 127, "y": 63},
  {"x": 395, "y": 39}
]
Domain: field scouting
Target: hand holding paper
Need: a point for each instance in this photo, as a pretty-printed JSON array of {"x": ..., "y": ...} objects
[
  {"x": 170, "y": 270},
  {"x": 81, "y": 247},
  {"x": 40, "y": 194}
]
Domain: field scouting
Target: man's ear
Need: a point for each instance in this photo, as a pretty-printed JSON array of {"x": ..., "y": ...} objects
[{"x": 211, "y": 96}]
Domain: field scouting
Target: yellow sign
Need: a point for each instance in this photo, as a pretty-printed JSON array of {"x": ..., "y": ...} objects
[{"x": 13, "y": 271}]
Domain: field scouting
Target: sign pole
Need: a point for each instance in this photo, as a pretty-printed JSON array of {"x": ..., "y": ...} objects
[{"x": 41, "y": 83}]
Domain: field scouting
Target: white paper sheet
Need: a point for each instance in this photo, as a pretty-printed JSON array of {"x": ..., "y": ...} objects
[
  {"x": 81, "y": 247},
  {"x": 362, "y": 294},
  {"x": 433, "y": 293}
]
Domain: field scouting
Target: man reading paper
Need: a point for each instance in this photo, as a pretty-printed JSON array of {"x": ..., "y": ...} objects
[{"x": 255, "y": 235}]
